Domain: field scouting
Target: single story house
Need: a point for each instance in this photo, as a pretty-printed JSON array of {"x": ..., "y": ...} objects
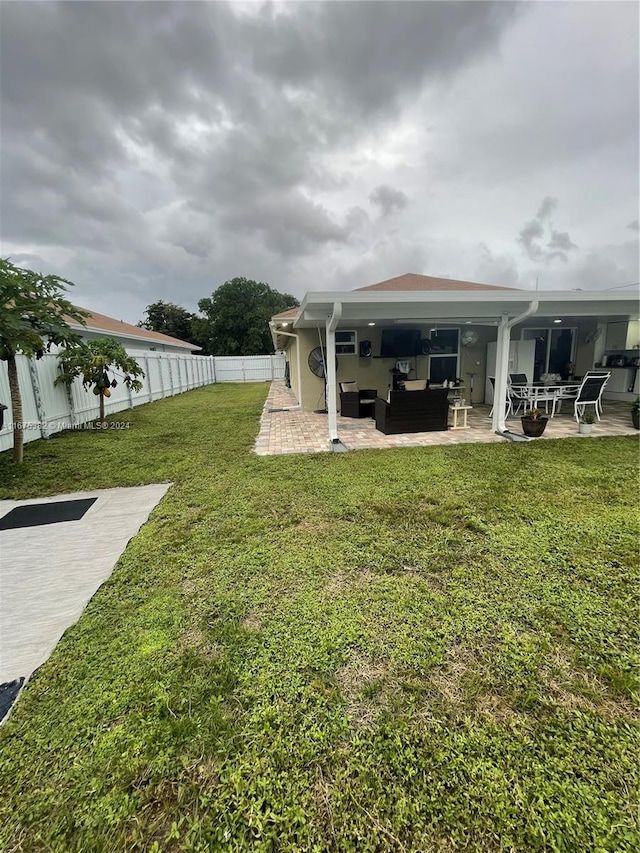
[
  {"x": 130, "y": 336},
  {"x": 442, "y": 329}
]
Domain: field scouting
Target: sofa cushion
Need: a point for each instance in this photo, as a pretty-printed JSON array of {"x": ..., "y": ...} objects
[
  {"x": 348, "y": 386},
  {"x": 415, "y": 385}
]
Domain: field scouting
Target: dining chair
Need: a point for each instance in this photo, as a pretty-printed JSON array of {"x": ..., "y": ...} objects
[
  {"x": 545, "y": 394},
  {"x": 589, "y": 394},
  {"x": 520, "y": 396},
  {"x": 509, "y": 411}
]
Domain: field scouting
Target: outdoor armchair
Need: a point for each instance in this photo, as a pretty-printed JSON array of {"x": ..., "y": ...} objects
[{"x": 355, "y": 402}]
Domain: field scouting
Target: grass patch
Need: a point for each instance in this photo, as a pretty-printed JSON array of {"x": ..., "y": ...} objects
[{"x": 432, "y": 649}]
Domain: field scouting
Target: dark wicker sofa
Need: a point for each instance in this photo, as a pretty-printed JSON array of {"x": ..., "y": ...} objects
[{"x": 413, "y": 411}]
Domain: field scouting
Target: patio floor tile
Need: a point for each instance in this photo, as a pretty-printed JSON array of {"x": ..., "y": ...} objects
[{"x": 291, "y": 430}]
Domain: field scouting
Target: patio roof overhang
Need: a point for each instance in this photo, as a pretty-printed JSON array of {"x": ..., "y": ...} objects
[
  {"x": 501, "y": 309},
  {"x": 479, "y": 307}
]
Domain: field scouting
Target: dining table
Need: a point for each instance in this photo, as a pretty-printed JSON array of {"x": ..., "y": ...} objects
[{"x": 535, "y": 394}]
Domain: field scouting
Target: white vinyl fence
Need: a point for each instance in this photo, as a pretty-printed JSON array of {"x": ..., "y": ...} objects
[{"x": 47, "y": 409}]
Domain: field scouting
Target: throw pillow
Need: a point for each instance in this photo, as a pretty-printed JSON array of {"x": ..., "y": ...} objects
[{"x": 415, "y": 385}]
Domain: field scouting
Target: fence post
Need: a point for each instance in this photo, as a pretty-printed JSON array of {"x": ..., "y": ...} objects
[
  {"x": 72, "y": 409},
  {"x": 37, "y": 396},
  {"x": 148, "y": 372},
  {"x": 159, "y": 361},
  {"x": 213, "y": 366},
  {"x": 170, "y": 374}
]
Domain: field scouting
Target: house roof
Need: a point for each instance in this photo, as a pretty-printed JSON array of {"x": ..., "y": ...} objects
[
  {"x": 413, "y": 282},
  {"x": 95, "y": 322},
  {"x": 413, "y": 298},
  {"x": 408, "y": 283},
  {"x": 289, "y": 314}
]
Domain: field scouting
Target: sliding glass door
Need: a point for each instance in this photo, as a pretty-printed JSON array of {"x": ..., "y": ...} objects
[{"x": 555, "y": 349}]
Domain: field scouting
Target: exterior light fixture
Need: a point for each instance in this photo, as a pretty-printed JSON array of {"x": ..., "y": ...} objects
[
  {"x": 557, "y": 321},
  {"x": 370, "y": 324}
]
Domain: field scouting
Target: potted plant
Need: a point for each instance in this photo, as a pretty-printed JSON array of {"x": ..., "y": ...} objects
[
  {"x": 533, "y": 423},
  {"x": 635, "y": 413},
  {"x": 585, "y": 426}
]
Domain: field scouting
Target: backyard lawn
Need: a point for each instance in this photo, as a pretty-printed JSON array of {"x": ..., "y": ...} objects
[{"x": 430, "y": 649}]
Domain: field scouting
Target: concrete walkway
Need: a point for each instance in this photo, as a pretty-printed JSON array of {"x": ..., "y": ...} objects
[
  {"x": 49, "y": 573},
  {"x": 288, "y": 429}
]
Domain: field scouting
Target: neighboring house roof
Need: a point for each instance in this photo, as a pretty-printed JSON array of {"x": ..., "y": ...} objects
[
  {"x": 412, "y": 281},
  {"x": 95, "y": 322},
  {"x": 286, "y": 315}
]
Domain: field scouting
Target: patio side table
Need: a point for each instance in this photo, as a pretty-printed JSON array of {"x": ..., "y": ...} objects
[{"x": 455, "y": 410}]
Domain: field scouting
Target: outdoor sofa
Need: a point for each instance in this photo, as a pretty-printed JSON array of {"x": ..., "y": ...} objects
[{"x": 413, "y": 411}]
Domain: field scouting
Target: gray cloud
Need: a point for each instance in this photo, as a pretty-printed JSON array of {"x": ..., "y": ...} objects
[
  {"x": 546, "y": 208},
  {"x": 528, "y": 234},
  {"x": 560, "y": 240},
  {"x": 634, "y": 226},
  {"x": 388, "y": 199},
  {"x": 558, "y": 244},
  {"x": 145, "y": 144}
]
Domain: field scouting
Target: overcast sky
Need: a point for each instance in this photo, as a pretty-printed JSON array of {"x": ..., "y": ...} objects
[{"x": 155, "y": 150}]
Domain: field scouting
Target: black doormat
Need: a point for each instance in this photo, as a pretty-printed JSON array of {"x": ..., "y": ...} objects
[
  {"x": 33, "y": 515},
  {"x": 8, "y": 695}
]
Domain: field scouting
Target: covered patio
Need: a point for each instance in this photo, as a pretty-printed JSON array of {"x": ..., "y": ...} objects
[
  {"x": 355, "y": 337},
  {"x": 285, "y": 428}
]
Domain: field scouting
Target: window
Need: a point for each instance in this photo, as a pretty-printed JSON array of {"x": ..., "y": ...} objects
[
  {"x": 346, "y": 342},
  {"x": 443, "y": 363},
  {"x": 444, "y": 341}
]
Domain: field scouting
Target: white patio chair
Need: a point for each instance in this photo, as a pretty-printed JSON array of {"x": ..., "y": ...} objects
[
  {"x": 492, "y": 380},
  {"x": 545, "y": 394},
  {"x": 589, "y": 394},
  {"x": 591, "y": 373},
  {"x": 519, "y": 397}
]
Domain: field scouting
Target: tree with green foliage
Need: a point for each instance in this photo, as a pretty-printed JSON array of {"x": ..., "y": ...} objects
[
  {"x": 94, "y": 361},
  {"x": 237, "y": 317},
  {"x": 33, "y": 316},
  {"x": 170, "y": 319}
]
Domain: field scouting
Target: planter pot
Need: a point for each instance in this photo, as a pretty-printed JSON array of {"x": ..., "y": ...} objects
[
  {"x": 635, "y": 417},
  {"x": 533, "y": 427},
  {"x": 585, "y": 429}
]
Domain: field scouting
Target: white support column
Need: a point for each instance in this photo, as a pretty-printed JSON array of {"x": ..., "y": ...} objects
[
  {"x": 330, "y": 371},
  {"x": 502, "y": 369}
]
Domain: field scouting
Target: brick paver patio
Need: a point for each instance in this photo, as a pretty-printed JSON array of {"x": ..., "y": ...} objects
[{"x": 285, "y": 428}]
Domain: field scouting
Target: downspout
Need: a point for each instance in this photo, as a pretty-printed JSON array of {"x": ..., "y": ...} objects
[
  {"x": 330, "y": 372},
  {"x": 297, "y": 340},
  {"x": 502, "y": 368}
]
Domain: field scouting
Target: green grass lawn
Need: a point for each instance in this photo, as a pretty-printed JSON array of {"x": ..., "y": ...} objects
[{"x": 431, "y": 649}]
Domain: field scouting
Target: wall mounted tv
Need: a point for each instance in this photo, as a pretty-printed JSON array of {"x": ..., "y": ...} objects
[{"x": 400, "y": 343}]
